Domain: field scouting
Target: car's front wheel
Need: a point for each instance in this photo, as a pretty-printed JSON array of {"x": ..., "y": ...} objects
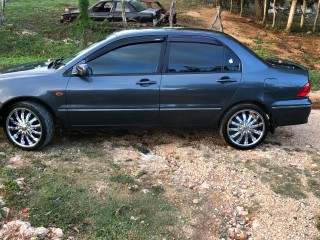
[
  {"x": 244, "y": 126},
  {"x": 28, "y": 125}
]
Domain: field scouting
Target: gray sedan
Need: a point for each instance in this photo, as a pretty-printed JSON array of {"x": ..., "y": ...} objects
[{"x": 156, "y": 78}]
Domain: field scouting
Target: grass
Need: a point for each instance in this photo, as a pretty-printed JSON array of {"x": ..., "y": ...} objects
[
  {"x": 32, "y": 32},
  {"x": 282, "y": 180},
  {"x": 62, "y": 197}
]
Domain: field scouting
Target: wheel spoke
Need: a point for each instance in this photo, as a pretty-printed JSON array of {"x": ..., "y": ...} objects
[
  {"x": 235, "y": 135},
  {"x": 17, "y": 117},
  {"x": 239, "y": 119},
  {"x": 240, "y": 138},
  {"x": 233, "y": 129},
  {"x": 28, "y": 140},
  {"x": 234, "y": 123},
  {"x": 22, "y": 140},
  {"x": 257, "y": 125},
  {"x": 253, "y": 139},
  {"x": 246, "y": 139}
]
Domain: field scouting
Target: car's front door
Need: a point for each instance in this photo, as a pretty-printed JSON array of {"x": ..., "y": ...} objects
[
  {"x": 102, "y": 11},
  {"x": 201, "y": 77},
  {"x": 123, "y": 89}
]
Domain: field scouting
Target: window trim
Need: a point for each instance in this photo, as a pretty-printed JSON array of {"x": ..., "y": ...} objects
[
  {"x": 127, "y": 42},
  {"x": 196, "y": 39}
]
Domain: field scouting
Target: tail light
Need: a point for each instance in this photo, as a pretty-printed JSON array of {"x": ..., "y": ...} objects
[{"x": 304, "y": 92}]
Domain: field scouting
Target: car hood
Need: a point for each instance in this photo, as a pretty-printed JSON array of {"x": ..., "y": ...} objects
[
  {"x": 30, "y": 69},
  {"x": 282, "y": 63},
  {"x": 150, "y": 10},
  {"x": 72, "y": 12}
]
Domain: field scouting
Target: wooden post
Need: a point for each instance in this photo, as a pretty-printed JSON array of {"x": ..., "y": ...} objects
[
  {"x": 172, "y": 9},
  {"x": 316, "y": 18},
  {"x": 123, "y": 14},
  {"x": 274, "y": 14},
  {"x": 3, "y": 12},
  {"x": 218, "y": 17}
]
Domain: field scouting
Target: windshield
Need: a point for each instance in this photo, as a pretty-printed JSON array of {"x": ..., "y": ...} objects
[{"x": 138, "y": 6}]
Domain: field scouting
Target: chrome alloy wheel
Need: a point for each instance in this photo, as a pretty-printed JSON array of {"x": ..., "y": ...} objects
[
  {"x": 24, "y": 127},
  {"x": 246, "y": 127}
]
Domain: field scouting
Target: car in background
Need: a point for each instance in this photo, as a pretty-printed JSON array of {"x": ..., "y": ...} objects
[
  {"x": 163, "y": 12},
  {"x": 112, "y": 11},
  {"x": 169, "y": 77}
]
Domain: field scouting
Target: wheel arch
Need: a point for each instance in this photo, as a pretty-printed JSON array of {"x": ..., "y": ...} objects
[
  {"x": 258, "y": 104},
  {"x": 11, "y": 102}
]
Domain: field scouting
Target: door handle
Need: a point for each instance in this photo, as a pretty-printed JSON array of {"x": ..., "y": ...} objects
[
  {"x": 146, "y": 82},
  {"x": 226, "y": 80}
]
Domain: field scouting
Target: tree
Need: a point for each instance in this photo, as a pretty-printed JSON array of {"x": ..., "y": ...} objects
[
  {"x": 316, "y": 18},
  {"x": 303, "y": 15},
  {"x": 258, "y": 9},
  {"x": 265, "y": 12},
  {"x": 3, "y": 7},
  {"x": 241, "y": 7},
  {"x": 83, "y": 20},
  {"x": 123, "y": 13},
  {"x": 291, "y": 15},
  {"x": 231, "y": 5},
  {"x": 274, "y": 14}
]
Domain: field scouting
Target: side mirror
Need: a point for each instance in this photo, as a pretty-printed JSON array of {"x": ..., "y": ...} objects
[{"x": 82, "y": 70}]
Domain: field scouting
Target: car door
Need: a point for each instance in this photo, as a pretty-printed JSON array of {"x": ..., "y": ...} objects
[
  {"x": 102, "y": 10},
  {"x": 117, "y": 14},
  {"x": 123, "y": 89},
  {"x": 200, "y": 77}
]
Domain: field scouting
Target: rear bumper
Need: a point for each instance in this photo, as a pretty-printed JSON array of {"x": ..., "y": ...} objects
[{"x": 296, "y": 112}]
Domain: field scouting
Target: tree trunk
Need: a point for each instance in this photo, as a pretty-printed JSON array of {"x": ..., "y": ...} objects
[
  {"x": 258, "y": 9},
  {"x": 172, "y": 10},
  {"x": 3, "y": 12},
  {"x": 241, "y": 7},
  {"x": 317, "y": 16},
  {"x": 123, "y": 14},
  {"x": 291, "y": 15},
  {"x": 231, "y": 5},
  {"x": 274, "y": 14},
  {"x": 303, "y": 8},
  {"x": 265, "y": 12}
]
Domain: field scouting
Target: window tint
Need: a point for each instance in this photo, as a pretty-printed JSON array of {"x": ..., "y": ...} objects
[
  {"x": 195, "y": 57},
  {"x": 231, "y": 62},
  {"x": 119, "y": 8},
  {"x": 138, "y": 58}
]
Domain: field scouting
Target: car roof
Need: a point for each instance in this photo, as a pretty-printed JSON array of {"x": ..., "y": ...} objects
[
  {"x": 116, "y": 1},
  {"x": 169, "y": 31}
]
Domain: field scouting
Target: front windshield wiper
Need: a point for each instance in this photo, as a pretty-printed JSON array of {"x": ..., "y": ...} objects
[{"x": 55, "y": 63}]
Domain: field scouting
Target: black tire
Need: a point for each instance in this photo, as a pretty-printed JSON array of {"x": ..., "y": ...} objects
[
  {"x": 28, "y": 125},
  {"x": 244, "y": 126}
]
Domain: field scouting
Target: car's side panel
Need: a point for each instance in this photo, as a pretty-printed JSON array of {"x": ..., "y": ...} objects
[
  {"x": 194, "y": 99},
  {"x": 113, "y": 101}
]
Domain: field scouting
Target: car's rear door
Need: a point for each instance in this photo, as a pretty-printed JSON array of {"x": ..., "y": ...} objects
[
  {"x": 200, "y": 76},
  {"x": 123, "y": 89}
]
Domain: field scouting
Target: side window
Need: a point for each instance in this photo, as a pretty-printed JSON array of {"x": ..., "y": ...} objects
[
  {"x": 231, "y": 62},
  {"x": 129, "y": 59},
  {"x": 119, "y": 8},
  {"x": 195, "y": 57}
]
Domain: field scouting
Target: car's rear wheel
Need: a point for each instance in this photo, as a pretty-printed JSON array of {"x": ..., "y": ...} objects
[
  {"x": 28, "y": 125},
  {"x": 244, "y": 126}
]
